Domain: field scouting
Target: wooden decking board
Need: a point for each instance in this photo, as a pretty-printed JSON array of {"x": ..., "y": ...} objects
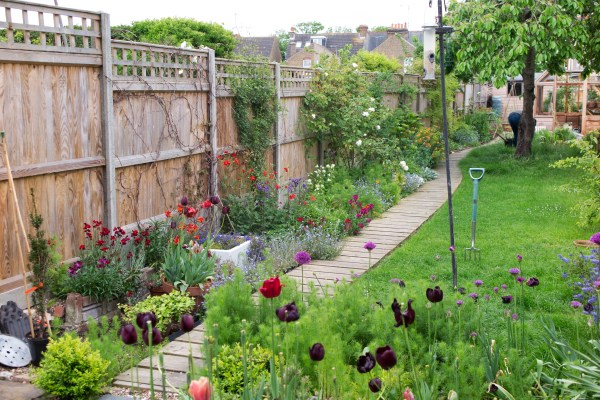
[{"x": 387, "y": 232}]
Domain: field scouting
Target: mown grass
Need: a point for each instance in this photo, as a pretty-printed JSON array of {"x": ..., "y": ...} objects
[{"x": 521, "y": 210}]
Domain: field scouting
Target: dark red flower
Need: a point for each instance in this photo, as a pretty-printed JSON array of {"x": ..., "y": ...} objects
[
  {"x": 434, "y": 295},
  {"x": 156, "y": 336},
  {"x": 184, "y": 201},
  {"x": 190, "y": 212},
  {"x": 317, "y": 352},
  {"x": 532, "y": 282},
  {"x": 288, "y": 313},
  {"x": 215, "y": 199},
  {"x": 129, "y": 334},
  {"x": 386, "y": 358},
  {"x": 187, "y": 322},
  {"x": 403, "y": 318},
  {"x": 365, "y": 363},
  {"x": 225, "y": 210},
  {"x": 142, "y": 319},
  {"x": 375, "y": 385},
  {"x": 271, "y": 288}
]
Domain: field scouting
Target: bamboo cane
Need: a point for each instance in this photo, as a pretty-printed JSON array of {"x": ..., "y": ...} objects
[{"x": 11, "y": 185}]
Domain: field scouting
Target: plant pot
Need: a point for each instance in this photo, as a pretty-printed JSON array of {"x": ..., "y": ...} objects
[
  {"x": 198, "y": 294},
  {"x": 164, "y": 288},
  {"x": 235, "y": 255},
  {"x": 37, "y": 346}
]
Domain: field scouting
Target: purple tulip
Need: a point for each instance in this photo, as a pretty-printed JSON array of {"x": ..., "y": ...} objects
[
  {"x": 386, "y": 358},
  {"x": 225, "y": 210},
  {"x": 288, "y": 313},
  {"x": 187, "y": 323},
  {"x": 403, "y": 318},
  {"x": 507, "y": 299},
  {"x": 142, "y": 319},
  {"x": 434, "y": 295},
  {"x": 215, "y": 199},
  {"x": 184, "y": 201},
  {"x": 317, "y": 352},
  {"x": 156, "y": 336},
  {"x": 365, "y": 363},
  {"x": 129, "y": 334},
  {"x": 375, "y": 385}
]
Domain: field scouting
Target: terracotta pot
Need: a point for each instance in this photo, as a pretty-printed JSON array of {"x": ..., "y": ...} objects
[
  {"x": 198, "y": 293},
  {"x": 164, "y": 288}
]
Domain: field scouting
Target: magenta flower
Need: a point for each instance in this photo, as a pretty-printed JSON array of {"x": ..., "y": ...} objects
[
  {"x": 478, "y": 282},
  {"x": 519, "y": 258},
  {"x": 459, "y": 303},
  {"x": 504, "y": 286},
  {"x": 520, "y": 279},
  {"x": 515, "y": 316},
  {"x": 532, "y": 282},
  {"x": 575, "y": 304},
  {"x": 595, "y": 238},
  {"x": 514, "y": 271},
  {"x": 369, "y": 246},
  {"x": 451, "y": 249},
  {"x": 495, "y": 289},
  {"x": 474, "y": 296},
  {"x": 302, "y": 257}
]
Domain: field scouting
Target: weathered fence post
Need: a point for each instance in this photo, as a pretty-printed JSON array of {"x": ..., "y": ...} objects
[
  {"x": 106, "y": 88},
  {"x": 213, "y": 189},
  {"x": 278, "y": 123}
]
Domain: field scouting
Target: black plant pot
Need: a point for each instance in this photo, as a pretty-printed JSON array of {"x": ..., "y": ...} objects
[{"x": 37, "y": 346}]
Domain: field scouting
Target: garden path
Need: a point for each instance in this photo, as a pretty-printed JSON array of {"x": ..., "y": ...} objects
[{"x": 387, "y": 232}]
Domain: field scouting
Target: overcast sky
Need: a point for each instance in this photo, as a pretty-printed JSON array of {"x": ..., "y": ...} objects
[{"x": 262, "y": 17}]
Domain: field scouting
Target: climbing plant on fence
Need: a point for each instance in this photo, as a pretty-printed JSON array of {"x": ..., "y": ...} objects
[{"x": 254, "y": 110}]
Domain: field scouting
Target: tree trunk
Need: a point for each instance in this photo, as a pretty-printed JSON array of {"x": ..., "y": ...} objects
[{"x": 527, "y": 124}]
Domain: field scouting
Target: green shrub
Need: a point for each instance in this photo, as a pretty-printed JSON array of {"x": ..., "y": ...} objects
[
  {"x": 465, "y": 135},
  {"x": 563, "y": 134},
  {"x": 168, "y": 308},
  {"x": 230, "y": 375},
  {"x": 480, "y": 120},
  {"x": 71, "y": 369}
]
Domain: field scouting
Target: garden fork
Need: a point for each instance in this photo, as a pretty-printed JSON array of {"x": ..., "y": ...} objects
[{"x": 473, "y": 250}]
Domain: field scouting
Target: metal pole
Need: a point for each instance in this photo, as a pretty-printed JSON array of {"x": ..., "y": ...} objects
[{"x": 441, "y": 30}]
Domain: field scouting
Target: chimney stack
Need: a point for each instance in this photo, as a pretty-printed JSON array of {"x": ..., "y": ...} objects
[
  {"x": 362, "y": 31},
  {"x": 401, "y": 29}
]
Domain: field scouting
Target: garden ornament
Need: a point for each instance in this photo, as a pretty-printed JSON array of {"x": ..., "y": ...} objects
[
  {"x": 14, "y": 352},
  {"x": 474, "y": 174}
]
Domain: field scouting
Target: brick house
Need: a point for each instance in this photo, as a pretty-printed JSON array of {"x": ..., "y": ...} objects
[{"x": 304, "y": 50}]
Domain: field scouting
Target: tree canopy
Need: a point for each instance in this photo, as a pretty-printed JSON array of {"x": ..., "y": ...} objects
[
  {"x": 174, "y": 31},
  {"x": 495, "y": 40},
  {"x": 310, "y": 27}
]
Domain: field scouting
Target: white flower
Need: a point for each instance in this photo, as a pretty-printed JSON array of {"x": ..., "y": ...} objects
[
  {"x": 403, "y": 164},
  {"x": 365, "y": 135},
  {"x": 377, "y": 127},
  {"x": 326, "y": 74},
  {"x": 365, "y": 114},
  {"x": 371, "y": 109},
  {"x": 328, "y": 180},
  {"x": 358, "y": 142},
  {"x": 314, "y": 116},
  {"x": 354, "y": 65},
  {"x": 308, "y": 181},
  {"x": 405, "y": 167},
  {"x": 332, "y": 165},
  {"x": 372, "y": 99}
]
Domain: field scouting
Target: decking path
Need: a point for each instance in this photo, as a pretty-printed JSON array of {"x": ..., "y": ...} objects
[{"x": 387, "y": 232}]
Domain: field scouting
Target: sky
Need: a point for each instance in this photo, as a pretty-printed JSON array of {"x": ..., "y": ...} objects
[{"x": 263, "y": 17}]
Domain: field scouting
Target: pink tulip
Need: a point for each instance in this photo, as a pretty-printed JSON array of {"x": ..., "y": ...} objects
[
  {"x": 408, "y": 395},
  {"x": 200, "y": 389}
]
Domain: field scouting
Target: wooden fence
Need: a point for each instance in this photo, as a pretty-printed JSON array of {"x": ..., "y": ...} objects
[{"x": 118, "y": 131}]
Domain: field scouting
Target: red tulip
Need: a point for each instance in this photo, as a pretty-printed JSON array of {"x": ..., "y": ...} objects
[
  {"x": 271, "y": 288},
  {"x": 200, "y": 389}
]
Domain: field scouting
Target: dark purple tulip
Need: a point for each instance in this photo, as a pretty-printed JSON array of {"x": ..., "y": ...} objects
[
  {"x": 129, "y": 334},
  {"x": 317, "y": 352},
  {"x": 156, "y": 336},
  {"x": 225, "y": 210},
  {"x": 588, "y": 307},
  {"x": 173, "y": 225},
  {"x": 403, "y": 318},
  {"x": 386, "y": 358},
  {"x": 184, "y": 201},
  {"x": 434, "y": 295},
  {"x": 288, "y": 313},
  {"x": 532, "y": 282},
  {"x": 365, "y": 363},
  {"x": 375, "y": 385},
  {"x": 187, "y": 323},
  {"x": 506, "y": 299},
  {"x": 215, "y": 199},
  {"x": 143, "y": 318},
  {"x": 493, "y": 388}
]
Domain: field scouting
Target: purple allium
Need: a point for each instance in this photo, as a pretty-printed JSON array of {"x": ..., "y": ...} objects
[
  {"x": 474, "y": 296},
  {"x": 356, "y": 275},
  {"x": 461, "y": 290},
  {"x": 495, "y": 289},
  {"x": 302, "y": 257},
  {"x": 514, "y": 271},
  {"x": 532, "y": 282},
  {"x": 369, "y": 246},
  {"x": 515, "y": 316},
  {"x": 519, "y": 258},
  {"x": 459, "y": 303},
  {"x": 504, "y": 286},
  {"x": 507, "y": 299},
  {"x": 432, "y": 277},
  {"x": 478, "y": 282},
  {"x": 336, "y": 280},
  {"x": 520, "y": 279},
  {"x": 451, "y": 249},
  {"x": 595, "y": 238},
  {"x": 486, "y": 297},
  {"x": 473, "y": 335},
  {"x": 575, "y": 304}
]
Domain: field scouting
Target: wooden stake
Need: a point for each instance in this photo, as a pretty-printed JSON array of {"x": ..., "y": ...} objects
[{"x": 11, "y": 185}]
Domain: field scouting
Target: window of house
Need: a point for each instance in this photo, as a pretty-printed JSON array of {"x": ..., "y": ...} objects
[
  {"x": 514, "y": 88},
  {"x": 306, "y": 63}
]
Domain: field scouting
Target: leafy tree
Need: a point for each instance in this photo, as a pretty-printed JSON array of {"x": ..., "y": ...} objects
[
  {"x": 380, "y": 28},
  {"x": 284, "y": 40},
  {"x": 495, "y": 40},
  {"x": 338, "y": 29},
  {"x": 376, "y": 62},
  {"x": 174, "y": 31},
  {"x": 310, "y": 27}
]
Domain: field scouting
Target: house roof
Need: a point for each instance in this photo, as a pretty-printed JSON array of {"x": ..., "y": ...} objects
[{"x": 256, "y": 46}]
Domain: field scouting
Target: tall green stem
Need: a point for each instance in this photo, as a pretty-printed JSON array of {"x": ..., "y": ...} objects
[
  {"x": 149, "y": 327},
  {"x": 412, "y": 363}
]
